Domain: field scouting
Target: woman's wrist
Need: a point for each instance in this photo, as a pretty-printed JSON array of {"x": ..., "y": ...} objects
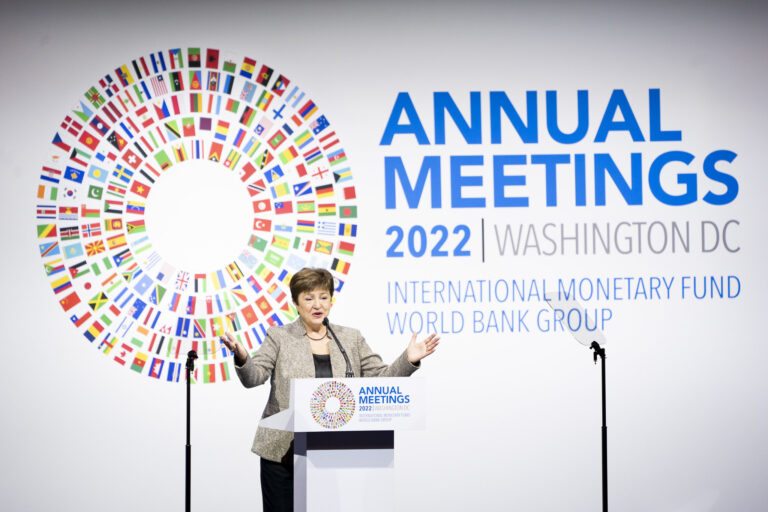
[{"x": 241, "y": 356}]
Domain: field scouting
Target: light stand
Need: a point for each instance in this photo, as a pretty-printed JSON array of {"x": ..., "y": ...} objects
[
  {"x": 191, "y": 356},
  {"x": 599, "y": 351}
]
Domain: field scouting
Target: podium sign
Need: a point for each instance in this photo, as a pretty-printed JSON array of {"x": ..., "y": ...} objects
[{"x": 344, "y": 439}]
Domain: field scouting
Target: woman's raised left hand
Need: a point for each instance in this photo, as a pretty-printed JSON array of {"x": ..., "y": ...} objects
[{"x": 418, "y": 350}]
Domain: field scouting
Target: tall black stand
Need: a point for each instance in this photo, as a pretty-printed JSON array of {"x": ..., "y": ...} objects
[
  {"x": 600, "y": 352},
  {"x": 191, "y": 356}
]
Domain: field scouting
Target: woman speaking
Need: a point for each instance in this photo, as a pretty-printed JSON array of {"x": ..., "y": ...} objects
[{"x": 303, "y": 349}]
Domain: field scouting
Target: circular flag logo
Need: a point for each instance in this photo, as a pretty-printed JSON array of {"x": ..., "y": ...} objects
[
  {"x": 182, "y": 192},
  {"x": 332, "y": 404}
]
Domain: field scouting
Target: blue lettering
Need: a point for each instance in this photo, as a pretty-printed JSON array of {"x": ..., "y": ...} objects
[
  {"x": 631, "y": 194},
  {"x": 550, "y": 168},
  {"x": 458, "y": 181},
  {"x": 394, "y": 168},
  {"x": 501, "y": 180},
  {"x": 580, "y": 179},
  {"x": 472, "y": 133},
  {"x": 654, "y": 118},
  {"x": 529, "y": 133},
  {"x": 582, "y": 118},
  {"x": 618, "y": 101},
  {"x": 404, "y": 105},
  {"x": 687, "y": 179},
  {"x": 731, "y": 185}
]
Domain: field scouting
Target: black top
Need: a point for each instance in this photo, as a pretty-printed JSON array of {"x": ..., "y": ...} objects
[{"x": 322, "y": 366}]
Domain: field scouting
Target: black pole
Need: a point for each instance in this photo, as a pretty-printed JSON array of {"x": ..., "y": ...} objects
[
  {"x": 191, "y": 356},
  {"x": 600, "y": 352}
]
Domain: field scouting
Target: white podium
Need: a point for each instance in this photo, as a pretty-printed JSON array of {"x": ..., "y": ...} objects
[{"x": 344, "y": 439}]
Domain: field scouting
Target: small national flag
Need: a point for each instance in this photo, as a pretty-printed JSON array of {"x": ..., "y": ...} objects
[
  {"x": 247, "y": 68},
  {"x": 342, "y": 175},
  {"x": 262, "y": 224},
  {"x": 346, "y": 248},
  {"x": 327, "y": 227},
  {"x": 263, "y": 305},
  {"x": 262, "y": 205},
  {"x": 282, "y": 207},
  {"x": 305, "y": 206},
  {"x": 69, "y": 233},
  {"x": 264, "y": 100},
  {"x": 135, "y": 207},
  {"x": 61, "y": 284},
  {"x": 94, "y": 248},
  {"x": 89, "y": 140},
  {"x": 258, "y": 243},
  {"x": 215, "y": 152},
  {"x": 73, "y": 251},
  {"x": 323, "y": 246},
  {"x": 135, "y": 226},
  {"x": 277, "y": 139},
  {"x": 319, "y": 124},
  {"x": 193, "y": 57},
  {"x": 222, "y": 128},
  {"x": 302, "y": 189},
  {"x": 98, "y": 174},
  {"x": 69, "y": 301},
  {"x": 308, "y": 109},
  {"x": 98, "y": 300},
  {"x": 59, "y": 143},
  {"x": 88, "y": 212},
  {"x": 281, "y": 84},
  {"x": 337, "y": 157},
  {"x": 305, "y": 226},
  {"x": 248, "y": 116},
  {"x": 280, "y": 190},
  {"x": 324, "y": 191},
  {"x": 232, "y": 105},
  {"x": 280, "y": 242},
  {"x": 140, "y": 188},
  {"x": 95, "y": 192},
  {"x": 46, "y": 230},
  {"x": 264, "y": 75},
  {"x": 288, "y": 155},
  {"x": 73, "y": 174},
  {"x": 139, "y": 362},
  {"x": 347, "y": 229},
  {"x": 232, "y": 159},
  {"x": 212, "y": 58},
  {"x": 49, "y": 249},
  {"x": 326, "y": 209},
  {"x": 264, "y": 273},
  {"x": 274, "y": 174},
  {"x": 340, "y": 266},
  {"x": 93, "y": 332}
]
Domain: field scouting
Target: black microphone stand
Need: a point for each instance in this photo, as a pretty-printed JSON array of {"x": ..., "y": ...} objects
[
  {"x": 600, "y": 352},
  {"x": 191, "y": 356},
  {"x": 349, "y": 372}
]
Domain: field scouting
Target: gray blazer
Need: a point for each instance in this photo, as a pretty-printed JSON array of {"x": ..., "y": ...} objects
[{"x": 285, "y": 354}]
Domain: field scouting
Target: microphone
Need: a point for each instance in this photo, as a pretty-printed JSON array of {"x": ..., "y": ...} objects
[
  {"x": 191, "y": 356},
  {"x": 348, "y": 373}
]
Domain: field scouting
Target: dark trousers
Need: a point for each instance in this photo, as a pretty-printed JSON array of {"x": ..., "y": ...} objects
[{"x": 277, "y": 485}]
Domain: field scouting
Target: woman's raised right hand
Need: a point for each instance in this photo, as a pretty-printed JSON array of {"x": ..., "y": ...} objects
[{"x": 234, "y": 346}]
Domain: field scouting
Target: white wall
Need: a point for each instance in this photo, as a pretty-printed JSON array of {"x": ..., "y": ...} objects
[{"x": 514, "y": 418}]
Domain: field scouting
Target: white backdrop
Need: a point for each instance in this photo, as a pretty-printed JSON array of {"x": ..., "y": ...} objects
[{"x": 514, "y": 417}]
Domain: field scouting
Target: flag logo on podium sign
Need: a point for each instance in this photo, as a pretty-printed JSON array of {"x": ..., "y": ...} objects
[
  {"x": 332, "y": 404},
  {"x": 120, "y": 144}
]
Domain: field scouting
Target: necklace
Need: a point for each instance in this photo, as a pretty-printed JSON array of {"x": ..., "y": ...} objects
[{"x": 321, "y": 338}]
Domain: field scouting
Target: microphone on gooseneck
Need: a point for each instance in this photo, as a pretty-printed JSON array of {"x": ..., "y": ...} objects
[
  {"x": 191, "y": 356},
  {"x": 348, "y": 373}
]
